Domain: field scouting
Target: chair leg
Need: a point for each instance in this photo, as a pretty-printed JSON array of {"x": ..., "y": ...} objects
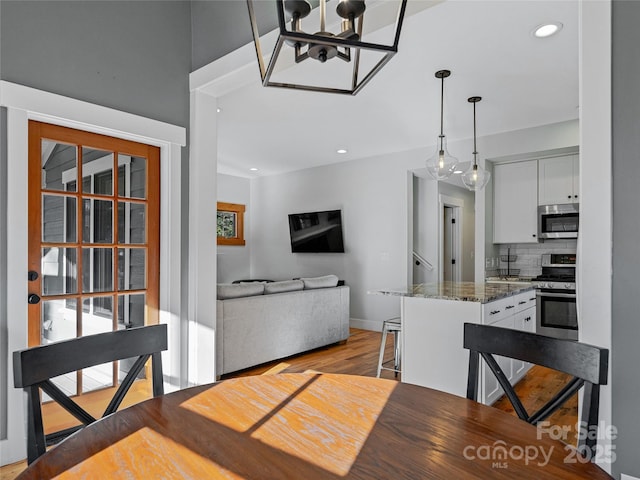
[
  {"x": 383, "y": 343},
  {"x": 396, "y": 352}
]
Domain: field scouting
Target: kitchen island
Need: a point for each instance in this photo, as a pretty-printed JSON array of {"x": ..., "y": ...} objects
[{"x": 433, "y": 315}]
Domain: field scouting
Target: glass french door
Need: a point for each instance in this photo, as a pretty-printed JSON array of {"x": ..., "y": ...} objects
[{"x": 93, "y": 241}]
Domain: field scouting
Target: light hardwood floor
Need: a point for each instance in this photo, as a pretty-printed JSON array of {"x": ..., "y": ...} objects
[{"x": 359, "y": 356}]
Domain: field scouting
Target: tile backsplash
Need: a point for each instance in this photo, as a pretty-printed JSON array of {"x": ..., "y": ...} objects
[{"x": 528, "y": 256}]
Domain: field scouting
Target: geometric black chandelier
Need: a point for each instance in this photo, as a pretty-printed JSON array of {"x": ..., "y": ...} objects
[{"x": 329, "y": 48}]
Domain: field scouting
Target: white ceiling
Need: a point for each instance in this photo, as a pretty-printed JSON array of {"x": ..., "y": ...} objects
[{"x": 491, "y": 52}]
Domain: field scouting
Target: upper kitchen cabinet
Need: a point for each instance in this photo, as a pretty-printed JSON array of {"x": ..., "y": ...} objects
[
  {"x": 558, "y": 180},
  {"x": 515, "y": 202}
]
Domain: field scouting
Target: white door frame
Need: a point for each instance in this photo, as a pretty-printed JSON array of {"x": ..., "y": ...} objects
[
  {"x": 24, "y": 104},
  {"x": 458, "y": 205}
]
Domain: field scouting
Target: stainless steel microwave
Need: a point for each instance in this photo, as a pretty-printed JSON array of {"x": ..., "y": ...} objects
[{"x": 558, "y": 221}]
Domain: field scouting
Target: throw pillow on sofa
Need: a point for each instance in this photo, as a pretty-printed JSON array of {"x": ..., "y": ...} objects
[
  {"x": 283, "y": 286},
  {"x": 320, "y": 282},
  {"x": 225, "y": 291}
]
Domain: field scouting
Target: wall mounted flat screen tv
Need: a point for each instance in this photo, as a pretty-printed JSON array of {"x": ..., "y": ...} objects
[{"x": 316, "y": 232}]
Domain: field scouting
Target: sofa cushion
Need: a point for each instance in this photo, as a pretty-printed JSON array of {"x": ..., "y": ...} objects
[
  {"x": 225, "y": 291},
  {"x": 320, "y": 282},
  {"x": 283, "y": 286}
]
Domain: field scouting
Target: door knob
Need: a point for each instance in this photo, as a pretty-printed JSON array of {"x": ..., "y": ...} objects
[
  {"x": 33, "y": 299},
  {"x": 32, "y": 275}
]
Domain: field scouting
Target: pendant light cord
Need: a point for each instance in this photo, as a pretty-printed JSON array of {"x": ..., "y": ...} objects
[
  {"x": 441, "y": 107},
  {"x": 474, "y": 100},
  {"x": 475, "y": 150}
]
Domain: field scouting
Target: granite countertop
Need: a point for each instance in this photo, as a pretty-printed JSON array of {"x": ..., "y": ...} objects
[{"x": 461, "y": 291}]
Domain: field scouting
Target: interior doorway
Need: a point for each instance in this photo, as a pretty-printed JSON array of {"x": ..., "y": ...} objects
[
  {"x": 450, "y": 227},
  {"x": 449, "y": 235}
]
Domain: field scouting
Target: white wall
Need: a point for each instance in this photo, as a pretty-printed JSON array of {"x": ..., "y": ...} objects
[
  {"x": 425, "y": 227},
  {"x": 233, "y": 260},
  {"x": 374, "y": 198},
  {"x": 594, "y": 293},
  {"x": 372, "y": 194}
]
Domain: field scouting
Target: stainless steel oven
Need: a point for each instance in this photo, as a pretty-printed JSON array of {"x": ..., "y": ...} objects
[{"x": 556, "y": 314}]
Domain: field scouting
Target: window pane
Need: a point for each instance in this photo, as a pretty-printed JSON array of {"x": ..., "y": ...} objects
[
  {"x": 59, "y": 271},
  {"x": 131, "y": 268},
  {"x": 130, "y": 315},
  {"x": 132, "y": 176},
  {"x": 59, "y": 166},
  {"x": 226, "y": 224},
  {"x": 58, "y": 321},
  {"x": 97, "y": 171},
  {"x": 97, "y": 221},
  {"x": 58, "y": 218},
  {"x": 97, "y": 270},
  {"x": 97, "y": 317},
  {"x": 131, "y": 310},
  {"x": 131, "y": 222}
]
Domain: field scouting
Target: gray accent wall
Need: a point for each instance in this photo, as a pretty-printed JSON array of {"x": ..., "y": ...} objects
[
  {"x": 130, "y": 56},
  {"x": 625, "y": 355},
  {"x": 4, "y": 353},
  {"x": 218, "y": 27}
]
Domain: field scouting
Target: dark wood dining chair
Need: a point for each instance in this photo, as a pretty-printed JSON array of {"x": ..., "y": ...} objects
[
  {"x": 34, "y": 368},
  {"x": 587, "y": 364}
]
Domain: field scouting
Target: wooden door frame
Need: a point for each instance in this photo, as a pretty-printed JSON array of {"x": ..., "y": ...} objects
[{"x": 39, "y": 130}]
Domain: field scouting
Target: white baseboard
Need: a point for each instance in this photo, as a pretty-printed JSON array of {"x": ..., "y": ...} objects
[
  {"x": 628, "y": 477},
  {"x": 365, "y": 324}
]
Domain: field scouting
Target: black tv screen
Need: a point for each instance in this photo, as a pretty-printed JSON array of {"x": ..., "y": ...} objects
[{"x": 316, "y": 232}]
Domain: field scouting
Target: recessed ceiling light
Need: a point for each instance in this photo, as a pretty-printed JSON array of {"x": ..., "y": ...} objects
[
  {"x": 253, "y": 169},
  {"x": 547, "y": 29},
  {"x": 218, "y": 110},
  {"x": 341, "y": 151}
]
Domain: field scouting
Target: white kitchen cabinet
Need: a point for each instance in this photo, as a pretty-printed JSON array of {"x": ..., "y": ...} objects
[
  {"x": 490, "y": 386},
  {"x": 515, "y": 202},
  {"x": 525, "y": 321},
  {"x": 517, "y": 312},
  {"x": 558, "y": 180}
]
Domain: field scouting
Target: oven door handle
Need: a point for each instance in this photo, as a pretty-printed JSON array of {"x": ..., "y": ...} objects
[{"x": 557, "y": 295}]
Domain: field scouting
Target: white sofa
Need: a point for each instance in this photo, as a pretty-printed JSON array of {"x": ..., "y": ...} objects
[{"x": 261, "y": 322}]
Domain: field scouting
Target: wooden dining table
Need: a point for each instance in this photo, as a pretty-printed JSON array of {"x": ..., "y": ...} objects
[{"x": 311, "y": 426}]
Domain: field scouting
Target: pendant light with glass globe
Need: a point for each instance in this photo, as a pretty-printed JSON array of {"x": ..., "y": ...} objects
[
  {"x": 476, "y": 177},
  {"x": 441, "y": 165}
]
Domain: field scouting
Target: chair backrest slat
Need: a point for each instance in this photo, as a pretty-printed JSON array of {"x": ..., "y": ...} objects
[
  {"x": 37, "y": 364},
  {"x": 578, "y": 359}
]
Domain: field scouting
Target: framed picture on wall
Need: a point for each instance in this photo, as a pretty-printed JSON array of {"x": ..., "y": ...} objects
[{"x": 230, "y": 223}]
